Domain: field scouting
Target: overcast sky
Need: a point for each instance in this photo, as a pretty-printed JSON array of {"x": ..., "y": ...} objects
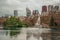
[{"x": 8, "y": 6}]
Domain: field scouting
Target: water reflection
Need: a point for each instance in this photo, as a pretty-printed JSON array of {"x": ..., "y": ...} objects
[
  {"x": 13, "y": 33},
  {"x": 22, "y": 34}
]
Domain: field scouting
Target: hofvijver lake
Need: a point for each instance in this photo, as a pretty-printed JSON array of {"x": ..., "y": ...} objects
[{"x": 23, "y": 34}]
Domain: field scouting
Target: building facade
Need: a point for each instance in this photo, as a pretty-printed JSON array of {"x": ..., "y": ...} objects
[
  {"x": 44, "y": 10},
  {"x": 28, "y": 11},
  {"x": 15, "y": 13},
  {"x": 50, "y": 8},
  {"x": 35, "y": 12}
]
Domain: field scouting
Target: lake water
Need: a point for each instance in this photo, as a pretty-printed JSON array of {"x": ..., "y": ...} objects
[{"x": 23, "y": 34}]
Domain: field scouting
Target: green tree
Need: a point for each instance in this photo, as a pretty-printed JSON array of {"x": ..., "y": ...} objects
[
  {"x": 25, "y": 24},
  {"x": 51, "y": 21},
  {"x": 12, "y": 23}
]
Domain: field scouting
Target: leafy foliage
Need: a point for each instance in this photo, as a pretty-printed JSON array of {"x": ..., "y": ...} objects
[
  {"x": 14, "y": 32},
  {"x": 51, "y": 21},
  {"x": 25, "y": 24},
  {"x": 12, "y": 23}
]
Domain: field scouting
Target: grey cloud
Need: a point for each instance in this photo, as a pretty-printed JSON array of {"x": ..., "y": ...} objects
[
  {"x": 3, "y": 3},
  {"x": 23, "y": 0}
]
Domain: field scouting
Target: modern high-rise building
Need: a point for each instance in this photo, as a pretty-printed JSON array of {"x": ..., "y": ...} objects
[
  {"x": 44, "y": 8},
  {"x": 35, "y": 12},
  {"x": 56, "y": 8},
  {"x": 15, "y": 13},
  {"x": 50, "y": 7},
  {"x": 28, "y": 11}
]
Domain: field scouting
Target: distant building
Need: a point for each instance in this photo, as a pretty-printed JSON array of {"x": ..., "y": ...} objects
[
  {"x": 56, "y": 16},
  {"x": 50, "y": 8},
  {"x": 2, "y": 20},
  {"x": 56, "y": 8},
  {"x": 15, "y": 13},
  {"x": 44, "y": 8},
  {"x": 28, "y": 11},
  {"x": 35, "y": 12},
  {"x": 21, "y": 18},
  {"x": 53, "y": 9}
]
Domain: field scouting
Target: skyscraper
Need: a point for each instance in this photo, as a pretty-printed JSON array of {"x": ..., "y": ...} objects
[
  {"x": 50, "y": 8},
  {"x": 28, "y": 11},
  {"x": 35, "y": 12},
  {"x": 15, "y": 13},
  {"x": 56, "y": 8},
  {"x": 44, "y": 8}
]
